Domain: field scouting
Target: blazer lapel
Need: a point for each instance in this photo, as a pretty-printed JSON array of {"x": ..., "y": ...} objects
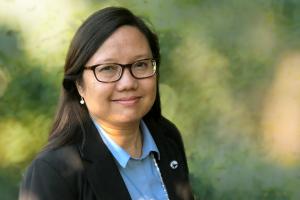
[
  {"x": 101, "y": 169},
  {"x": 166, "y": 156}
]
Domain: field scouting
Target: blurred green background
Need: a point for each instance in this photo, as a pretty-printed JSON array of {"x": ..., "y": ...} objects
[{"x": 230, "y": 81}]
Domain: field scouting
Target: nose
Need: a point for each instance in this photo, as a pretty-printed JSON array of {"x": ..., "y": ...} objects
[{"x": 127, "y": 81}]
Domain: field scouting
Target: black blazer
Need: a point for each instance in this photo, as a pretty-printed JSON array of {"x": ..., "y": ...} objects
[{"x": 88, "y": 171}]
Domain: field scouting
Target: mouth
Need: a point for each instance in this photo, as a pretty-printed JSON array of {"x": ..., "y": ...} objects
[{"x": 128, "y": 101}]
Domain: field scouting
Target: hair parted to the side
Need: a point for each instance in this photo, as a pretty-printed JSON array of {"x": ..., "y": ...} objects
[{"x": 88, "y": 38}]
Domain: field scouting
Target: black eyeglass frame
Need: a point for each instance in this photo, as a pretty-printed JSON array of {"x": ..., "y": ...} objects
[{"x": 123, "y": 66}]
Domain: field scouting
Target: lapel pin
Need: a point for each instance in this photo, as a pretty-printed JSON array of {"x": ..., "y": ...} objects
[{"x": 173, "y": 164}]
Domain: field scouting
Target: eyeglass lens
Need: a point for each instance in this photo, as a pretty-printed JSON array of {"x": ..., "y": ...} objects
[{"x": 113, "y": 72}]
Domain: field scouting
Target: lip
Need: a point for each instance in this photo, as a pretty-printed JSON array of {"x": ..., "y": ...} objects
[{"x": 128, "y": 101}]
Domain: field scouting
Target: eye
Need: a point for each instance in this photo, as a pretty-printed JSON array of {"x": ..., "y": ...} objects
[
  {"x": 141, "y": 64},
  {"x": 107, "y": 68}
]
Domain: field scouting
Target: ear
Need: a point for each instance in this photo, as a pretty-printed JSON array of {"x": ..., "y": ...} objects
[{"x": 79, "y": 88}]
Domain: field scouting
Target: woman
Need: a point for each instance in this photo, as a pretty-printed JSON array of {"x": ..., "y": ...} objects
[{"x": 109, "y": 139}]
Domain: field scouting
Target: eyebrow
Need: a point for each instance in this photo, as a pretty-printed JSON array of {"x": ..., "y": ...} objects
[{"x": 137, "y": 57}]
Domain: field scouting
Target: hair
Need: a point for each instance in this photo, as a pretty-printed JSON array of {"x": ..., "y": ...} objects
[{"x": 88, "y": 38}]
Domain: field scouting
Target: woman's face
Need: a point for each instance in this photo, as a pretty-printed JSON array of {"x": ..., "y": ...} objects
[{"x": 127, "y": 100}]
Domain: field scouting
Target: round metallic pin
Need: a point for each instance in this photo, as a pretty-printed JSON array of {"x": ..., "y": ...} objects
[{"x": 173, "y": 164}]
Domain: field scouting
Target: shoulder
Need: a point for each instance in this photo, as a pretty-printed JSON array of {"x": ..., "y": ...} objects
[
  {"x": 163, "y": 129},
  {"x": 65, "y": 161},
  {"x": 168, "y": 125},
  {"x": 63, "y": 157},
  {"x": 162, "y": 125},
  {"x": 170, "y": 130},
  {"x": 53, "y": 170}
]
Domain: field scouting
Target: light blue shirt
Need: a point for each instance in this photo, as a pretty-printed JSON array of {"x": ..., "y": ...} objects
[{"x": 141, "y": 176}]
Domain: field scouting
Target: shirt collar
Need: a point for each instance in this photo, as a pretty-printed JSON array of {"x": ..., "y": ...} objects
[{"x": 119, "y": 153}]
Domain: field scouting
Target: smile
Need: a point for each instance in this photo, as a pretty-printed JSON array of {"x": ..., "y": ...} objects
[{"x": 127, "y": 101}]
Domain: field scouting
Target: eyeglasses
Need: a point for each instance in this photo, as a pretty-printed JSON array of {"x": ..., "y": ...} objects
[{"x": 112, "y": 72}]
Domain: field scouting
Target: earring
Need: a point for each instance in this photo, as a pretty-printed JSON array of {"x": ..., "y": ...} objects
[{"x": 81, "y": 101}]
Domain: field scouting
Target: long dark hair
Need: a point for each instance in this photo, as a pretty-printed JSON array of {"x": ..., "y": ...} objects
[{"x": 72, "y": 116}]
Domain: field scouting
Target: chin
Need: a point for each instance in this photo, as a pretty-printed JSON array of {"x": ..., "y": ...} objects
[{"x": 128, "y": 118}]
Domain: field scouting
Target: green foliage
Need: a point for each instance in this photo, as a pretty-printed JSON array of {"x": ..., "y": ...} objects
[{"x": 219, "y": 62}]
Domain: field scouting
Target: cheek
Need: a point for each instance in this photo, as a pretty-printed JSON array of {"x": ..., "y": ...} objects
[
  {"x": 98, "y": 100},
  {"x": 94, "y": 91},
  {"x": 152, "y": 89},
  {"x": 99, "y": 93}
]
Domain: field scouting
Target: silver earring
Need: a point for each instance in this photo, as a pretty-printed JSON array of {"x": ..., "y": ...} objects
[{"x": 81, "y": 101}]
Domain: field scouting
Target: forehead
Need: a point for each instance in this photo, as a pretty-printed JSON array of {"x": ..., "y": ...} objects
[{"x": 126, "y": 44}]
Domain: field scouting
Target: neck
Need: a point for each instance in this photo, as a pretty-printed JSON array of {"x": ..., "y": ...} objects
[{"x": 127, "y": 136}]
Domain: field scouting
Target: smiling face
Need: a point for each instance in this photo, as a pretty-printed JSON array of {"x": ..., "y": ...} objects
[{"x": 126, "y": 101}]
